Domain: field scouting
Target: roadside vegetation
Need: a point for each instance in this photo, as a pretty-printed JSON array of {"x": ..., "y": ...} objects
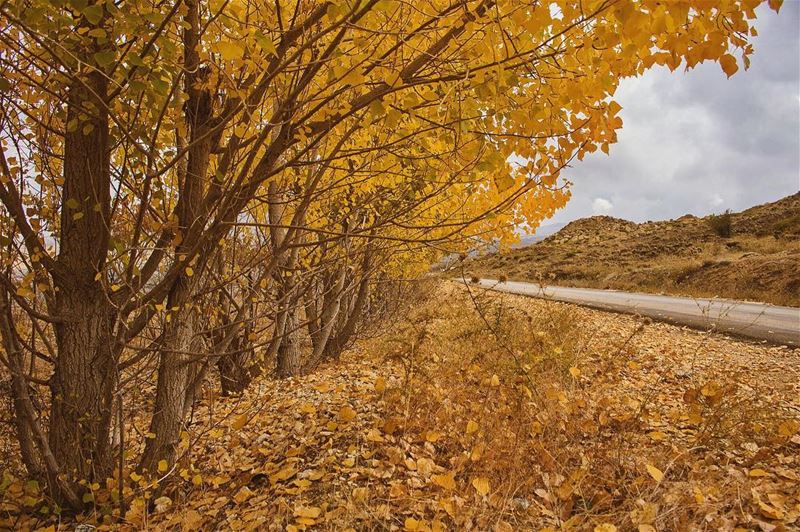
[{"x": 493, "y": 412}]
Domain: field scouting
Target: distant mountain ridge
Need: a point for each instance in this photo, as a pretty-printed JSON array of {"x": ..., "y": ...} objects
[{"x": 686, "y": 255}]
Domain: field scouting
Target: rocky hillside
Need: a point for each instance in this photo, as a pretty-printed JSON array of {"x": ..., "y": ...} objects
[{"x": 753, "y": 254}]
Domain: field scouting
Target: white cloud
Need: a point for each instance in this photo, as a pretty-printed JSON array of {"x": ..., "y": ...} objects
[
  {"x": 601, "y": 206},
  {"x": 716, "y": 200}
]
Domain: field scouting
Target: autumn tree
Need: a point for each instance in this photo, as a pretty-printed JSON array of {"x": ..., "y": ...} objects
[{"x": 143, "y": 141}]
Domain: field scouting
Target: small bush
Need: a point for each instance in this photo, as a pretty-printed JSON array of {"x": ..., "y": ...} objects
[
  {"x": 475, "y": 279},
  {"x": 721, "y": 224}
]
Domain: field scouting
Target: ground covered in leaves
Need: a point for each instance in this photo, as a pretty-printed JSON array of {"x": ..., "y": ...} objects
[{"x": 487, "y": 411}]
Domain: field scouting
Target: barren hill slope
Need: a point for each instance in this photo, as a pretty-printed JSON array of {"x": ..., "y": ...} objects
[{"x": 687, "y": 256}]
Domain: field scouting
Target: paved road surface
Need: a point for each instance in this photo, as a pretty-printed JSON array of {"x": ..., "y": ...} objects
[{"x": 779, "y": 325}]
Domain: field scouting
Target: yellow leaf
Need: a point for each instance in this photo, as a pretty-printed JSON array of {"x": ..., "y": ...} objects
[
  {"x": 472, "y": 426},
  {"x": 728, "y": 64},
  {"x": 447, "y": 481},
  {"x": 242, "y": 495},
  {"x": 380, "y": 385},
  {"x": 412, "y": 524},
  {"x": 657, "y": 435},
  {"x": 758, "y": 473},
  {"x": 481, "y": 485},
  {"x": 374, "y": 435},
  {"x": 575, "y": 372},
  {"x": 266, "y": 44},
  {"x": 189, "y": 271},
  {"x": 433, "y": 436},
  {"x": 360, "y": 494},
  {"x": 605, "y": 527},
  {"x": 239, "y": 422},
  {"x": 347, "y": 414},
  {"x": 162, "y": 466},
  {"x": 230, "y": 50},
  {"x": 197, "y": 480},
  {"x": 655, "y": 473},
  {"x": 192, "y": 520},
  {"x": 477, "y": 452},
  {"x": 310, "y": 512},
  {"x": 788, "y": 428},
  {"x": 495, "y": 380}
]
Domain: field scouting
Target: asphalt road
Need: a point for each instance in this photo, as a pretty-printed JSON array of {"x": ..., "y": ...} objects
[{"x": 780, "y": 325}]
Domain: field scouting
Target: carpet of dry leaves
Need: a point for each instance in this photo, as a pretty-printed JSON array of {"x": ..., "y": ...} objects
[{"x": 486, "y": 411}]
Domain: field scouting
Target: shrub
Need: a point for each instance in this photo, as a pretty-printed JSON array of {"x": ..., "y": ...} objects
[{"x": 721, "y": 224}]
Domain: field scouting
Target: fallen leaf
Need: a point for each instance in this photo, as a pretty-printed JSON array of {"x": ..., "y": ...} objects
[
  {"x": 239, "y": 422},
  {"x": 347, "y": 414},
  {"x": 309, "y": 512},
  {"x": 242, "y": 495},
  {"x": 605, "y": 527},
  {"x": 481, "y": 485},
  {"x": 447, "y": 481},
  {"x": 655, "y": 473}
]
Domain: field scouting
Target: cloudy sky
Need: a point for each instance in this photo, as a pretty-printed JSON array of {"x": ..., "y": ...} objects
[{"x": 696, "y": 142}]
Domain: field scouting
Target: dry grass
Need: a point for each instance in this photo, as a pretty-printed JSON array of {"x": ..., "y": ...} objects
[{"x": 568, "y": 420}]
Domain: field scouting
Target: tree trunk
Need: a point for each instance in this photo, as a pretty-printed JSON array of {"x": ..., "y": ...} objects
[
  {"x": 234, "y": 367},
  {"x": 172, "y": 385},
  {"x": 339, "y": 341},
  {"x": 289, "y": 362},
  {"x": 176, "y": 368},
  {"x": 85, "y": 374},
  {"x": 20, "y": 392},
  {"x": 83, "y": 385}
]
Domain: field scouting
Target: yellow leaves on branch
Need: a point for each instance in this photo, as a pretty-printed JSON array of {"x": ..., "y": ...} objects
[{"x": 230, "y": 50}]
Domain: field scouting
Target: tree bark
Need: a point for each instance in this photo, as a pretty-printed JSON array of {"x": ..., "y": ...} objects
[
  {"x": 85, "y": 375},
  {"x": 289, "y": 363},
  {"x": 176, "y": 368},
  {"x": 20, "y": 392}
]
